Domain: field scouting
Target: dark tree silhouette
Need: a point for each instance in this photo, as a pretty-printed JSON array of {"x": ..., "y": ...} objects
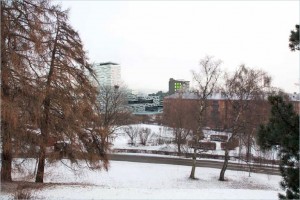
[
  {"x": 294, "y": 39},
  {"x": 282, "y": 132}
]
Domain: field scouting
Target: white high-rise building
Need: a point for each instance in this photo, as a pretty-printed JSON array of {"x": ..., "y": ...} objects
[{"x": 108, "y": 74}]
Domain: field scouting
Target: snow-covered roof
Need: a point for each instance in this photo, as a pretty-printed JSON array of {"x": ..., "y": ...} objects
[
  {"x": 191, "y": 95},
  {"x": 219, "y": 96}
]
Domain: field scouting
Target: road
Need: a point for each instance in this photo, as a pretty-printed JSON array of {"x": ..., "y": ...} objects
[{"x": 272, "y": 170}]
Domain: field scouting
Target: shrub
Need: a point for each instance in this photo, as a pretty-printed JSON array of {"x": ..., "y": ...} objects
[
  {"x": 23, "y": 194},
  {"x": 132, "y": 132}
]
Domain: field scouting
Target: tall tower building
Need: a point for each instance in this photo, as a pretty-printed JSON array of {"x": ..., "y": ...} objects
[{"x": 108, "y": 74}]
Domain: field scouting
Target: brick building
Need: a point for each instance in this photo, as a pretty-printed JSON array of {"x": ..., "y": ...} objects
[{"x": 219, "y": 109}]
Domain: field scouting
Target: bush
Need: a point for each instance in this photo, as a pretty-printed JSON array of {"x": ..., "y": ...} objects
[
  {"x": 132, "y": 132},
  {"x": 23, "y": 194}
]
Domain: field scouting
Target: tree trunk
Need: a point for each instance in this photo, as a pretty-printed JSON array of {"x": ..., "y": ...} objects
[
  {"x": 44, "y": 136},
  {"x": 6, "y": 156},
  {"x": 45, "y": 118},
  {"x": 248, "y": 148},
  {"x": 240, "y": 148},
  {"x": 192, "y": 175},
  {"x": 222, "y": 173},
  {"x": 178, "y": 145},
  {"x": 249, "y": 170},
  {"x": 178, "y": 149},
  {"x": 41, "y": 167}
]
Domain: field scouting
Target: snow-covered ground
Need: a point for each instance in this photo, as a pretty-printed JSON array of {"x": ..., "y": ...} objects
[
  {"x": 127, "y": 180},
  {"x": 121, "y": 141}
]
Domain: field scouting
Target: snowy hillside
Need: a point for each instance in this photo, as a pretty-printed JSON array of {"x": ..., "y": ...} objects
[
  {"x": 126, "y": 180},
  {"x": 130, "y": 180}
]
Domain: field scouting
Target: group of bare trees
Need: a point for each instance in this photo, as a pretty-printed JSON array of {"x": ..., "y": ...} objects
[
  {"x": 134, "y": 132},
  {"x": 46, "y": 92},
  {"x": 188, "y": 118},
  {"x": 244, "y": 93}
]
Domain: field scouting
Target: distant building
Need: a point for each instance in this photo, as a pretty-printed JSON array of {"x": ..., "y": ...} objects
[
  {"x": 108, "y": 74},
  {"x": 178, "y": 85},
  {"x": 219, "y": 108},
  {"x": 144, "y": 104}
]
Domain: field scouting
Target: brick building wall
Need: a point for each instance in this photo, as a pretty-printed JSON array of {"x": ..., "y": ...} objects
[{"x": 219, "y": 111}]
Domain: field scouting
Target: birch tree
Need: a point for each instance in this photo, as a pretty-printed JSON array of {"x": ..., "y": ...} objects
[
  {"x": 241, "y": 89},
  {"x": 206, "y": 81}
]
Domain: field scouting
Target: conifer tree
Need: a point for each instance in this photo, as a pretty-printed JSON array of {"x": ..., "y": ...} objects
[
  {"x": 21, "y": 36},
  {"x": 69, "y": 107},
  {"x": 282, "y": 133},
  {"x": 46, "y": 92},
  {"x": 294, "y": 39}
]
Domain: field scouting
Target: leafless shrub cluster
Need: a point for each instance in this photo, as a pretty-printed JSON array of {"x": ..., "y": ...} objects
[
  {"x": 23, "y": 194},
  {"x": 132, "y": 132}
]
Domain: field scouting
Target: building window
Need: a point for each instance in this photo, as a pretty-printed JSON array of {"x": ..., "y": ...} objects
[{"x": 177, "y": 86}]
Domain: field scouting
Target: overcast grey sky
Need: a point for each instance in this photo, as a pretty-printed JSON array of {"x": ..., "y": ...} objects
[{"x": 157, "y": 40}]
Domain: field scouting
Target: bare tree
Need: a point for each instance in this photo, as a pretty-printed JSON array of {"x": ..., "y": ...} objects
[
  {"x": 132, "y": 132},
  {"x": 242, "y": 89},
  {"x": 144, "y": 135},
  {"x": 257, "y": 114},
  {"x": 112, "y": 108},
  {"x": 206, "y": 81},
  {"x": 178, "y": 114}
]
